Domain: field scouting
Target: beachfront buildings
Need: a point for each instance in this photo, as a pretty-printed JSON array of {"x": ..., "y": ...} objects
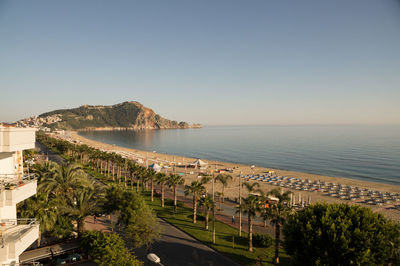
[{"x": 16, "y": 235}]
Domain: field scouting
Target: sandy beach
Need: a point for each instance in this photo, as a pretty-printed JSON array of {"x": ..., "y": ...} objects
[{"x": 231, "y": 191}]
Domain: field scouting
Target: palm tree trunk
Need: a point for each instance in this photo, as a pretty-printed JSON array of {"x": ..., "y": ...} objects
[
  {"x": 80, "y": 225},
  {"x": 207, "y": 215},
  {"x": 250, "y": 234},
  {"x": 223, "y": 189},
  {"x": 174, "y": 198},
  {"x": 125, "y": 181},
  {"x": 112, "y": 173},
  {"x": 162, "y": 195},
  {"x": 194, "y": 208},
  {"x": 152, "y": 190},
  {"x": 137, "y": 184},
  {"x": 39, "y": 238},
  {"x": 277, "y": 240},
  {"x": 119, "y": 172}
]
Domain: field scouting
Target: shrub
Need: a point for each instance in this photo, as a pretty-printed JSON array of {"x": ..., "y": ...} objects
[
  {"x": 340, "y": 234},
  {"x": 260, "y": 240},
  {"x": 107, "y": 249}
]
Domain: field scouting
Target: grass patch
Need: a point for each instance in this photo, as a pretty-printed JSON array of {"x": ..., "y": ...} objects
[{"x": 224, "y": 233}]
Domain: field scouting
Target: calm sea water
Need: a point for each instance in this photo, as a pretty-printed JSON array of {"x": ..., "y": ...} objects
[{"x": 368, "y": 153}]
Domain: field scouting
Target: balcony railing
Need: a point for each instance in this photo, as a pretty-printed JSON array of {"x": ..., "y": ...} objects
[
  {"x": 21, "y": 264},
  {"x": 10, "y": 181},
  {"x": 18, "y": 221}
]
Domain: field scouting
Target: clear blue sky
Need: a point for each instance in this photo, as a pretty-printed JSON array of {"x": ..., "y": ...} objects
[{"x": 213, "y": 62}]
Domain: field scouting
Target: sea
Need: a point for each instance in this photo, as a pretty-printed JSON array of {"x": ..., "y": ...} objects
[{"x": 369, "y": 153}]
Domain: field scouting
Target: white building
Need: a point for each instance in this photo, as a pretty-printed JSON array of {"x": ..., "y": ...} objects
[{"x": 16, "y": 235}]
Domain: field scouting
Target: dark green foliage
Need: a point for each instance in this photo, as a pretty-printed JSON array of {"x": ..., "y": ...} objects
[
  {"x": 125, "y": 115},
  {"x": 261, "y": 240},
  {"x": 107, "y": 249},
  {"x": 340, "y": 234},
  {"x": 139, "y": 222},
  {"x": 63, "y": 227}
]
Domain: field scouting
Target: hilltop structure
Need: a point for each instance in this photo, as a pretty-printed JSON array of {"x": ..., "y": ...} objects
[{"x": 16, "y": 235}]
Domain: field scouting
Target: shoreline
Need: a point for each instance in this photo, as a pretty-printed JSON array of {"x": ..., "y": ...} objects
[{"x": 247, "y": 170}]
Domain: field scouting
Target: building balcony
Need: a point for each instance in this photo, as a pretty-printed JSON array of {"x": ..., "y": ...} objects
[
  {"x": 16, "y": 235},
  {"x": 16, "y": 139},
  {"x": 14, "y": 190}
]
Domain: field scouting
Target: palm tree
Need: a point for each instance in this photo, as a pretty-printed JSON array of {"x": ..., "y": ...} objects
[
  {"x": 81, "y": 205},
  {"x": 195, "y": 188},
  {"x": 65, "y": 180},
  {"x": 250, "y": 206},
  {"x": 223, "y": 179},
  {"x": 161, "y": 179},
  {"x": 139, "y": 176},
  {"x": 173, "y": 181},
  {"x": 205, "y": 179},
  {"x": 151, "y": 176},
  {"x": 278, "y": 213},
  {"x": 251, "y": 187},
  {"x": 207, "y": 204},
  {"x": 45, "y": 169},
  {"x": 43, "y": 210}
]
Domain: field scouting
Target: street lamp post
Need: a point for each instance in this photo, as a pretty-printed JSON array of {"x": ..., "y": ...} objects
[
  {"x": 154, "y": 258},
  {"x": 240, "y": 202},
  {"x": 213, "y": 233}
]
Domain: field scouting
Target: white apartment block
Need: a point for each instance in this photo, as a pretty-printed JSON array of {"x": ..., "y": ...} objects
[{"x": 16, "y": 235}]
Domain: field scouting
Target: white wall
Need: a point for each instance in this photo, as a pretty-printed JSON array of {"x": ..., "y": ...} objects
[
  {"x": 8, "y": 212},
  {"x": 7, "y": 163},
  {"x": 13, "y": 139}
]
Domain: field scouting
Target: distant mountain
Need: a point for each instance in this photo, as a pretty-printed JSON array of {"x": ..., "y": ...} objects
[{"x": 126, "y": 115}]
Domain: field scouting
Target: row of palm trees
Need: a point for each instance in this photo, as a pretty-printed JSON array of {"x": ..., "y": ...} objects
[{"x": 119, "y": 169}]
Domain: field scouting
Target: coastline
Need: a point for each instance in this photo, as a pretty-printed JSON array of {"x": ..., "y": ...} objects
[{"x": 231, "y": 190}]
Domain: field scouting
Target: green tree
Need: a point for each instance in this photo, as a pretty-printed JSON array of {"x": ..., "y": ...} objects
[
  {"x": 151, "y": 176},
  {"x": 138, "y": 221},
  {"x": 64, "y": 180},
  {"x": 278, "y": 213},
  {"x": 82, "y": 204},
  {"x": 44, "y": 170},
  {"x": 43, "y": 210},
  {"x": 207, "y": 203},
  {"x": 63, "y": 227},
  {"x": 250, "y": 206},
  {"x": 223, "y": 179},
  {"x": 107, "y": 249},
  {"x": 143, "y": 228},
  {"x": 161, "y": 179},
  {"x": 340, "y": 234},
  {"x": 195, "y": 188},
  {"x": 252, "y": 187},
  {"x": 174, "y": 181}
]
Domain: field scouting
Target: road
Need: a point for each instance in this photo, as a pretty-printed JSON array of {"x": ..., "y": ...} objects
[{"x": 177, "y": 248}]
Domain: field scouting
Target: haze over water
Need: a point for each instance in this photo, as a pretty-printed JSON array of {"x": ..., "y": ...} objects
[{"x": 370, "y": 153}]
